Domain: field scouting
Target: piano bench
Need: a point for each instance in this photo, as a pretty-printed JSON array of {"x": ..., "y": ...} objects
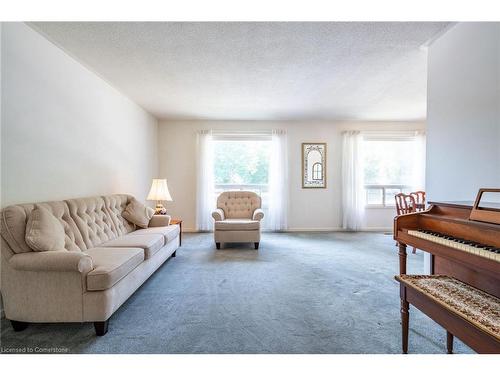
[{"x": 464, "y": 311}]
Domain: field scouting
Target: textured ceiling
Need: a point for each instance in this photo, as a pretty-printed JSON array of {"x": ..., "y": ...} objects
[{"x": 259, "y": 71}]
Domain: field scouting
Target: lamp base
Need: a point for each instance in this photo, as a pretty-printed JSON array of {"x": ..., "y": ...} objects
[{"x": 160, "y": 210}]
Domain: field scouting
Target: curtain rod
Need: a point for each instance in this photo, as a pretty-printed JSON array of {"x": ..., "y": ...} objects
[
  {"x": 241, "y": 132},
  {"x": 397, "y": 132}
]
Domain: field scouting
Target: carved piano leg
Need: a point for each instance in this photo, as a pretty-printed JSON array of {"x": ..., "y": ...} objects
[
  {"x": 402, "y": 259},
  {"x": 449, "y": 342},
  {"x": 405, "y": 320}
]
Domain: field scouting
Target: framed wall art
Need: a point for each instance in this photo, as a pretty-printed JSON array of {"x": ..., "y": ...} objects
[{"x": 313, "y": 165}]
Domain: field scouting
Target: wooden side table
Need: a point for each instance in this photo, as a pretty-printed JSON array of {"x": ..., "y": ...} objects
[{"x": 179, "y": 223}]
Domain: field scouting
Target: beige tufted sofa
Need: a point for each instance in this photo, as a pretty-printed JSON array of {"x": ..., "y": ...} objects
[
  {"x": 105, "y": 260},
  {"x": 237, "y": 218}
]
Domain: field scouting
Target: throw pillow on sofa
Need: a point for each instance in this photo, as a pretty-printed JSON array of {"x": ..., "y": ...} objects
[
  {"x": 43, "y": 231},
  {"x": 138, "y": 214}
]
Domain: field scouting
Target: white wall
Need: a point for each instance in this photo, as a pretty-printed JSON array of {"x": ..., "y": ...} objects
[
  {"x": 310, "y": 209},
  {"x": 66, "y": 132},
  {"x": 463, "y": 114},
  {"x": 1, "y": 120}
]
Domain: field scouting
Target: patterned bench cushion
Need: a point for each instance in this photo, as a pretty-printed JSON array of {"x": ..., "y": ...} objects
[{"x": 474, "y": 305}]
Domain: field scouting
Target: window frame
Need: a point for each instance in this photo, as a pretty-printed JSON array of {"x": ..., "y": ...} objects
[{"x": 383, "y": 187}]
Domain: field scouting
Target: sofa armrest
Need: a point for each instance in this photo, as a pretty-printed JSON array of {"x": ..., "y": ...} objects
[
  {"x": 258, "y": 214},
  {"x": 218, "y": 214},
  {"x": 159, "y": 221},
  {"x": 62, "y": 261}
]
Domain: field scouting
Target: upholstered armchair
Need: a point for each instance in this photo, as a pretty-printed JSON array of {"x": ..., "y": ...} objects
[{"x": 237, "y": 218}]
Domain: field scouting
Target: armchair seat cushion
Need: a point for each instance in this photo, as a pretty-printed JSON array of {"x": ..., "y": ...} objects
[
  {"x": 237, "y": 224},
  {"x": 111, "y": 265},
  {"x": 170, "y": 232},
  {"x": 150, "y": 243}
]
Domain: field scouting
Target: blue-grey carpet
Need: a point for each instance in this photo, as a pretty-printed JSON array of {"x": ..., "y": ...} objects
[{"x": 300, "y": 293}]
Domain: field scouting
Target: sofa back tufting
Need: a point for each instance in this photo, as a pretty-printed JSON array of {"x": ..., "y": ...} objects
[
  {"x": 115, "y": 205},
  {"x": 92, "y": 219}
]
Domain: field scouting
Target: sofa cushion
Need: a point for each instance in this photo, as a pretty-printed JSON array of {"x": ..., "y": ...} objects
[
  {"x": 14, "y": 219},
  {"x": 115, "y": 205},
  {"x": 170, "y": 232},
  {"x": 237, "y": 224},
  {"x": 43, "y": 231},
  {"x": 150, "y": 243},
  {"x": 137, "y": 213},
  {"x": 111, "y": 265}
]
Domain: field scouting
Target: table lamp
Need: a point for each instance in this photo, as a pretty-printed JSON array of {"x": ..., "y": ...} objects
[{"x": 159, "y": 193}]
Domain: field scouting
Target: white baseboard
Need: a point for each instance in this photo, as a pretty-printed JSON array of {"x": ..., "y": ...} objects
[
  {"x": 336, "y": 229},
  {"x": 292, "y": 230},
  {"x": 377, "y": 229},
  {"x": 189, "y": 230},
  {"x": 327, "y": 229}
]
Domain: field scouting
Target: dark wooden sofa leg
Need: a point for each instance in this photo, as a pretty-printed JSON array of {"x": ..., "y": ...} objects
[
  {"x": 174, "y": 254},
  {"x": 256, "y": 244},
  {"x": 101, "y": 328},
  {"x": 19, "y": 326},
  {"x": 217, "y": 245},
  {"x": 449, "y": 342}
]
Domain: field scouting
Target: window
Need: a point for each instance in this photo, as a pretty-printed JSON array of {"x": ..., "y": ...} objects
[
  {"x": 392, "y": 164},
  {"x": 242, "y": 163}
]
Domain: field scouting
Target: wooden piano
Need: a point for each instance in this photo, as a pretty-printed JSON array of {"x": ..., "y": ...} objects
[{"x": 464, "y": 242}]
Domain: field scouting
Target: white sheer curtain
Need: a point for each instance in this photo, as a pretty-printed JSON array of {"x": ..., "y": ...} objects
[
  {"x": 205, "y": 195},
  {"x": 418, "y": 182},
  {"x": 278, "y": 183},
  {"x": 353, "y": 192}
]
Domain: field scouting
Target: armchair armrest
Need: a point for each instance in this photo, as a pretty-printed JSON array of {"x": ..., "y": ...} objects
[
  {"x": 159, "y": 221},
  {"x": 258, "y": 214},
  {"x": 218, "y": 214},
  {"x": 62, "y": 261}
]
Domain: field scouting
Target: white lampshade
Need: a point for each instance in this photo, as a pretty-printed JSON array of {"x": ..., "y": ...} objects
[{"x": 159, "y": 191}]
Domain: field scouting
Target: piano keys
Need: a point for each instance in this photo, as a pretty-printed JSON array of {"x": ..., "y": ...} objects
[{"x": 487, "y": 251}]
